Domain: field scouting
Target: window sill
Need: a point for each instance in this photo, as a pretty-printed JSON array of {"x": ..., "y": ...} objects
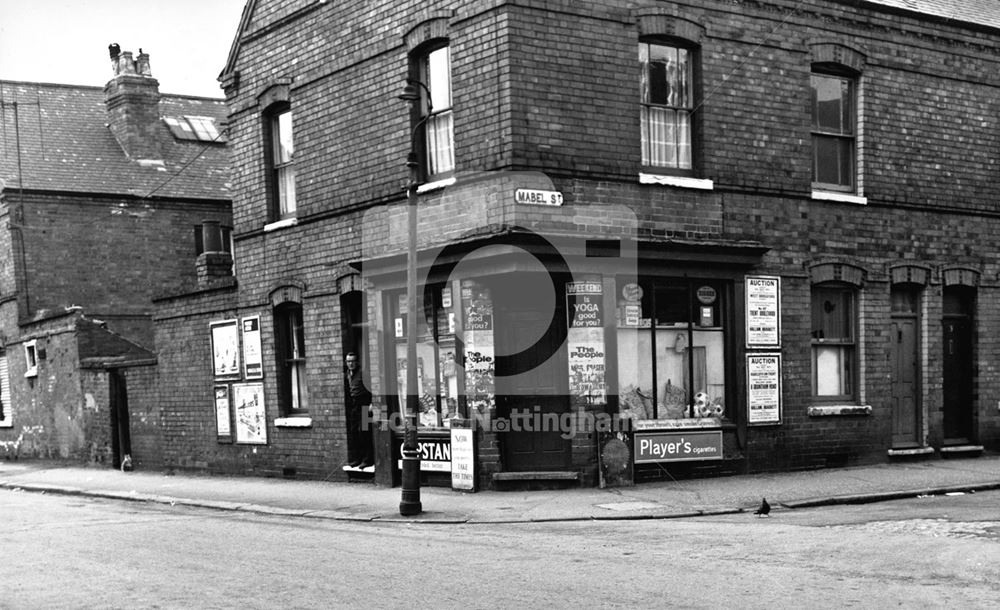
[
  {"x": 281, "y": 224},
  {"x": 297, "y": 421},
  {"x": 32, "y": 372},
  {"x": 842, "y": 197},
  {"x": 436, "y": 185},
  {"x": 678, "y": 181},
  {"x": 838, "y": 410}
]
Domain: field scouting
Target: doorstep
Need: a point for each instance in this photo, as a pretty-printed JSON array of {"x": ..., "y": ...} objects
[{"x": 961, "y": 450}]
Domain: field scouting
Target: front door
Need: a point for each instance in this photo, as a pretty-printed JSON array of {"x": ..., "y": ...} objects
[
  {"x": 532, "y": 400},
  {"x": 905, "y": 414},
  {"x": 958, "y": 379}
]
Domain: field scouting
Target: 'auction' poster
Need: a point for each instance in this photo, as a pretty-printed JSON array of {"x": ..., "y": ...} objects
[
  {"x": 225, "y": 349},
  {"x": 763, "y": 311},
  {"x": 251, "y": 423},
  {"x": 764, "y": 388}
]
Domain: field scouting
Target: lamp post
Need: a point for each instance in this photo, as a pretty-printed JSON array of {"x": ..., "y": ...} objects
[{"x": 409, "y": 503}]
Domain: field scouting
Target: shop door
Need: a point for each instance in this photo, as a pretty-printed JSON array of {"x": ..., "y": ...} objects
[
  {"x": 905, "y": 405},
  {"x": 957, "y": 379},
  {"x": 532, "y": 399}
]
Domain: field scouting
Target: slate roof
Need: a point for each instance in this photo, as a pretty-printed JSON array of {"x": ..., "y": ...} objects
[
  {"x": 65, "y": 145},
  {"x": 982, "y": 12}
]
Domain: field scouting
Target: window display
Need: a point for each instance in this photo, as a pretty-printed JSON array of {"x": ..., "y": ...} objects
[{"x": 671, "y": 348}]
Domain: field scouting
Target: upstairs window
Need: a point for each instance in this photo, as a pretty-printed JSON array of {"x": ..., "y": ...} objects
[
  {"x": 434, "y": 71},
  {"x": 667, "y": 105},
  {"x": 281, "y": 163},
  {"x": 834, "y": 132},
  {"x": 290, "y": 349}
]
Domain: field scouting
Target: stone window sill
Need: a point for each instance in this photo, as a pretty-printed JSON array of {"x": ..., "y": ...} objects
[
  {"x": 293, "y": 422},
  {"x": 838, "y": 410},
  {"x": 281, "y": 224},
  {"x": 436, "y": 185},
  {"x": 678, "y": 181},
  {"x": 842, "y": 197}
]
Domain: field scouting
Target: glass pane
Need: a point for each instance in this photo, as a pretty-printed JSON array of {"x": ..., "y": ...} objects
[
  {"x": 659, "y": 137},
  {"x": 905, "y": 300},
  {"x": 286, "y": 191},
  {"x": 683, "y": 140},
  {"x": 673, "y": 374},
  {"x": 438, "y": 78},
  {"x": 683, "y": 80},
  {"x": 282, "y": 134},
  {"x": 832, "y": 315},
  {"x": 635, "y": 375},
  {"x": 832, "y": 366},
  {"x": 830, "y": 103},
  {"x": 440, "y": 147},
  {"x": 709, "y": 360},
  {"x": 828, "y": 161}
]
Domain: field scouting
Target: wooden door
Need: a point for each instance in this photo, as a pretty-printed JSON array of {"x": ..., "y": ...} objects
[{"x": 905, "y": 380}]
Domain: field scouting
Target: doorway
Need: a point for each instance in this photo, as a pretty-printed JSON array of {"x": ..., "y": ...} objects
[
  {"x": 121, "y": 440},
  {"x": 905, "y": 371},
  {"x": 959, "y": 324},
  {"x": 532, "y": 398}
]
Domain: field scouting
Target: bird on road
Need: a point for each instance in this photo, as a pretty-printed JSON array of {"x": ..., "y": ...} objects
[{"x": 764, "y": 509}]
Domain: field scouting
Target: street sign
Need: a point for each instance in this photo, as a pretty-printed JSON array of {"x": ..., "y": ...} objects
[{"x": 537, "y": 197}]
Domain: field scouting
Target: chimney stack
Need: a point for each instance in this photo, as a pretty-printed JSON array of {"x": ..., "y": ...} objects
[{"x": 132, "y": 98}]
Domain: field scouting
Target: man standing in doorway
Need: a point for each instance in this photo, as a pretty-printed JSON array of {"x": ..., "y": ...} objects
[{"x": 360, "y": 449}]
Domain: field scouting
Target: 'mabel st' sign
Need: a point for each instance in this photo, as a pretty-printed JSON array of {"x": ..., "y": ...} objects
[
  {"x": 537, "y": 197},
  {"x": 679, "y": 446}
]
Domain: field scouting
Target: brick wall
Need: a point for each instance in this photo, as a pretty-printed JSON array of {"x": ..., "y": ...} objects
[{"x": 553, "y": 87}]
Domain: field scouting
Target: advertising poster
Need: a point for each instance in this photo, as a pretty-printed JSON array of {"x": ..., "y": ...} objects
[
  {"x": 251, "y": 423},
  {"x": 764, "y": 389},
  {"x": 585, "y": 341},
  {"x": 763, "y": 296},
  {"x": 253, "y": 365},
  {"x": 222, "y": 414},
  {"x": 225, "y": 349},
  {"x": 463, "y": 459},
  {"x": 480, "y": 384}
]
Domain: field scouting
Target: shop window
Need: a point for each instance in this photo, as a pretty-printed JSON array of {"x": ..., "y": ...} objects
[
  {"x": 834, "y": 131},
  {"x": 435, "y": 122},
  {"x": 290, "y": 350},
  {"x": 672, "y": 348},
  {"x": 437, "y": 368},
  {"x": 281, "y": 162},
  {"x": 667, "y": 106},
  {"x": 834, "y": 344}
]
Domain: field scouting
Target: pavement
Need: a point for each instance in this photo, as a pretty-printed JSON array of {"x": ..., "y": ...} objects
[{"x": 369, "y": 503}]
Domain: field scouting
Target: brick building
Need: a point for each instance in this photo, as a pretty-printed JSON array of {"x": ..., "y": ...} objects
[
  {"x": 102, "y": 192},
  {"x": 760, "y": 233}
]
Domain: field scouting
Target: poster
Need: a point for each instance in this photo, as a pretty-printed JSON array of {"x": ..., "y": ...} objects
[
  {"x": 463, "y": 459},
  {"x": 477, "y": 307},
  {"x": 763, "y": 298},
  {"x": 222, "y": 413},
  {"x": 225, "y": 349},
  {"x": 764, "y": 389},
  {"x": 585, "y": 341},
  {"x": 253, "y": 365},
  {"x": 251, "y": 423}
]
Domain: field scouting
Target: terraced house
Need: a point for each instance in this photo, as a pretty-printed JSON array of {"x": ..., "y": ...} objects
[
  {"x": 652, "y": 239},
  {"x": 104, "y": 194}
]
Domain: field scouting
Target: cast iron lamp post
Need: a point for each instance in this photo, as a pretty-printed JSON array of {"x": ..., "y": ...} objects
[{"x": 409, "y": 503}]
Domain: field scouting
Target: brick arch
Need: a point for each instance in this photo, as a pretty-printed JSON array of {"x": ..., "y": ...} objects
[
  {"x": 960, "y": 276},
  {"x": 349, "y": 282},
  {"x": 837, "y": 272},
  {"x": 433, "y": 26},
  {"x": 661, "y": 21},
  {"x": 910, "y": 274},
  {"x": 837, "y": 53},
  {"x": 289, "y": 291},
  {"x": 277, "y": 92}
]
